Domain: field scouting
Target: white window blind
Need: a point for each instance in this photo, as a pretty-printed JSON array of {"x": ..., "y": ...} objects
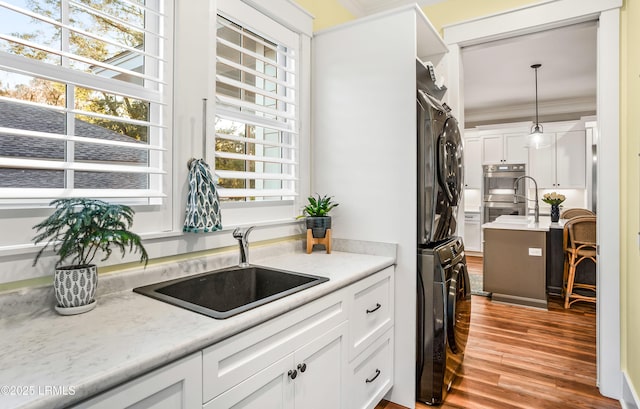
[
  {"x": 82, "y": 98},
  {"x": 256, "y": 139}
]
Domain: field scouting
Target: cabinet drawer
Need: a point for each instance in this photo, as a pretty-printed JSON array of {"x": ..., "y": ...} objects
[
  {"x": 372, "y": 374},
  {"x": 233, "y": 360},
  {"x": 371, "y": 310},
  {"x": 472, "y": 217}
]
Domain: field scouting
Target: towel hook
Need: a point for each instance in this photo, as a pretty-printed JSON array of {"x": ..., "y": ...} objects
[
  {"x": 204, "y": 127},
  {"x": 204, "y": 133}
]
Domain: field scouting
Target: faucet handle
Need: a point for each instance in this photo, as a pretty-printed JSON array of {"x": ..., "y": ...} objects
[{"x": 241, "y": 234}]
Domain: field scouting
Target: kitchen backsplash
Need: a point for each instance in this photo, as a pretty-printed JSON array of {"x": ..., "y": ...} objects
[{"x": 575, "y": 198}]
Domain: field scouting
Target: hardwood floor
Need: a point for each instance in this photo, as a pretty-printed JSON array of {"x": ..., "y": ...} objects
[{"x": 525, "y": 358}]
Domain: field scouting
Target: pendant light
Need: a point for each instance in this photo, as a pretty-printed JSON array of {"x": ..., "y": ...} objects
[{"x": 535, "y": 137}]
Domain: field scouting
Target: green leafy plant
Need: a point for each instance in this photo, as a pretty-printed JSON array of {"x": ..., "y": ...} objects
[
  {"x": 318, "y": 207},
  {"x": 81, "y": 227}
]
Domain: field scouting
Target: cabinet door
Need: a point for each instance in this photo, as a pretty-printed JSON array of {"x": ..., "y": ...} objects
[
  {"x": 321, "y": 367},
  {"x": 542, "y": 163},
  {"x": 515, "y": 148},
  {"x": 570, "y": 160},
  {"x": 472, "y": 232},
  {"x": 270, "y": 388},
  {"x": 492, "y": 149},
  {"x": 175, "y": 386},
  {"x": 472, "y": 163}
]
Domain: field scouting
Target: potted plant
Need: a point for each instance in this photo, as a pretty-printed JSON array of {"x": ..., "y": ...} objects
[
  {"x": 554, "y": 199},
  {"x": 317, "y": 214},
  {"x": 77, "y": 230}
]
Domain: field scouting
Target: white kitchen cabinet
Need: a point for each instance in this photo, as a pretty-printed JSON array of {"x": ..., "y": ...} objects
[
  {"x": 371, "y": 374},
  {"x": 300, "y": 359},
  {"x": 311, "y": 377},
  {"x": 323, "y": 383},
  {"x": 472, "y": 163},
  {"x": 504, "y": 148},
  {"x": 371, "y": 310},
  {"x": 232, "y": 361},
  {"x": 174, "y": 386},
  {"x": 317, "y": 341},
  {"x": 560, "y": 163},
  {"x": 472, "y": 232}
]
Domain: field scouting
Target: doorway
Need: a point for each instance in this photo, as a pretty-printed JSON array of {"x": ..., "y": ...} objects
[{"x": 549, "y": 15}]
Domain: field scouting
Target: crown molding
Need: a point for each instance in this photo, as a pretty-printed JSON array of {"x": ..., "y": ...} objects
[
  {"x": 361, "y": 8},
  {"x": 509, "y": 113}
]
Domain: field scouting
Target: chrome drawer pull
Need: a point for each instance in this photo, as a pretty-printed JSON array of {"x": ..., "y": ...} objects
[
  {"x": 374, "y": 377},
  {"x": 375, "y": 309}
]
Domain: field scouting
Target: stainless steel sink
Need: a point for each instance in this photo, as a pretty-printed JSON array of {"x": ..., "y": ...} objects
[{"x": 224, "y": 293}]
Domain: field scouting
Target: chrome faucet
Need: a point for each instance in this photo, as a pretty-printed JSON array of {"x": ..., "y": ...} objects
[
  {"x": 243, "y": 240},
  {"x": 536, "y": 208}
]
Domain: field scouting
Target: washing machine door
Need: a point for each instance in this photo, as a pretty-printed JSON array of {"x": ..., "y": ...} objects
[
  {"x": 458, "y": 308},
  {"x": 450, "y": 167}
]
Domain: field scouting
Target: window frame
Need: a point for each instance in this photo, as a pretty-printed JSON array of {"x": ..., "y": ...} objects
[
  {"x": 278, "y": 22},
  {"x": 264, "y": 28}
]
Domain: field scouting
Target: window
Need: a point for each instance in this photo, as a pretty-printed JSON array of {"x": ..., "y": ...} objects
[
  {"x": 256, "y": 139},
  {"x": 83, "y": 115},
  {"x": 82, "y": 95}
]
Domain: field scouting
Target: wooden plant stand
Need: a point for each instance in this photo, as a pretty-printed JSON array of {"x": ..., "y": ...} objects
[{"x": 311, "y": 241}]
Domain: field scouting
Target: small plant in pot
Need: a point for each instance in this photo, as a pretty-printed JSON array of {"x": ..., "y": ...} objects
[
  {"x": 317, "y": 214},
  {"x": 77, "y": 231}
]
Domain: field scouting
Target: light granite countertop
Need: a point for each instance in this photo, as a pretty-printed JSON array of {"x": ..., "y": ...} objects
[
  {"x": 523, "y": 223},
  {"x": 129, "y": 334}
]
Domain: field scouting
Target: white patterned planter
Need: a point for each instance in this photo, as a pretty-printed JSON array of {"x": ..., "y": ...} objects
[{"x": 75, "y": 286}]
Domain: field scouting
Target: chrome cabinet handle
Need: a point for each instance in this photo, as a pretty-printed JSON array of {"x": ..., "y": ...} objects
[
  {"x": 375, "y": 309},
  {"x": 374, "y": 377},
  {"x": 292, "y": 374}
]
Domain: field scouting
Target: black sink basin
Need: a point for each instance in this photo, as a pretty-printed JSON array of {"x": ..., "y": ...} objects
[{"x": 224, "y": 293}]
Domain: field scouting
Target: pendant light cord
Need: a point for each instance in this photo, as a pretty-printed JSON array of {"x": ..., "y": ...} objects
[
  {"x": 537, "y": 121},
  {"x": 537, "y": 127}
]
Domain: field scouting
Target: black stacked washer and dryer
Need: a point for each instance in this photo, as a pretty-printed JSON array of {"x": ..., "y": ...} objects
[{"x": 443, "y": 290}]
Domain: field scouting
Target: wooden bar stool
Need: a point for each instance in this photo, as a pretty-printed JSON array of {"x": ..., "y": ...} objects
[
  {"x": 579, "y": 241},
  {"x": 569, "y": 213}
]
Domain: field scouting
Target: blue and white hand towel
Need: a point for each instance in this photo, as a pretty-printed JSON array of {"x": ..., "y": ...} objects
[{"x": 203, "y": 204}]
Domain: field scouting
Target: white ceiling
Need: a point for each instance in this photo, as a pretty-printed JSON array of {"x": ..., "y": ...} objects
[{"x": 499, "y": 83}]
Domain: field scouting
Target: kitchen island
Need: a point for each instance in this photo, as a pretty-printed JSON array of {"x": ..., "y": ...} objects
[{"x": 515, "y": 259}]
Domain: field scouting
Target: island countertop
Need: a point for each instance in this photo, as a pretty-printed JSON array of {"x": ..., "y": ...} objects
[
  {"x": 508, "y": 222},
  {"x": 129, "y": 334}
]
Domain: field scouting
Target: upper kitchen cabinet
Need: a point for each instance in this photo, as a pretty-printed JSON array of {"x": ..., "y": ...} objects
[
  {"x": 504, "y": 148},
  {"x": 472, "y": 160},
  {"x": 561, "y": 162}
]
